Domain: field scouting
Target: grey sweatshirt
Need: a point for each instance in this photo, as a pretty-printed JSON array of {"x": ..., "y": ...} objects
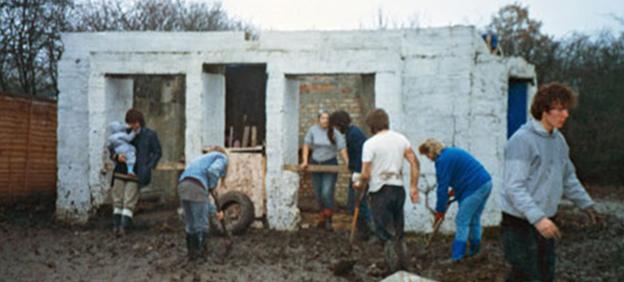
[
  {"x": 322, "y": 148},
  {"x": 538, "y": 173}
]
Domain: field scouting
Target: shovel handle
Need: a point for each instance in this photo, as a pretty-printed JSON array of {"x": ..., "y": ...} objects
[
  {"x": 436, "y": 225},
  {"x": 356, "y": 212}
]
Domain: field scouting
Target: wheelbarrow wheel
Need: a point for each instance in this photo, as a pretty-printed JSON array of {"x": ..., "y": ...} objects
[{"x": 239, "y": 213}]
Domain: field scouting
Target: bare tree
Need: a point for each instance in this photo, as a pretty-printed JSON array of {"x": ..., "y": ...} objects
[
  {"x": 30, "y": 44},
  {"x": 153, "y": 15},
  {"x": 521, "y": 36}
]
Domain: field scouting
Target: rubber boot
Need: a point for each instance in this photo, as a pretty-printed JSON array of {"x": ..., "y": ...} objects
[
  {"x": 126, "y": 223},
  {"x": 201, "y": 244},
  {"x": 328, "y": 220},
  {"x": 116, "y": 223},
  {"x": 391, "y": 257},
  {"x": 458, "y": 251},
  {"x": 190, "y": 247},
  {"x": 402, "y": 255},
  {"x": 474, "y": 247}
]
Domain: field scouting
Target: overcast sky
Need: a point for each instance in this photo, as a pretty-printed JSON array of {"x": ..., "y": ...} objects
[{"x": 560, "y": 17}]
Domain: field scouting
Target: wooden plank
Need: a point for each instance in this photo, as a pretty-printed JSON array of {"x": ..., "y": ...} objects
[
  {"x": 170, "y": 166},
  {"x": 256, "y": 149},
  {"x": 318, "y": 168}
]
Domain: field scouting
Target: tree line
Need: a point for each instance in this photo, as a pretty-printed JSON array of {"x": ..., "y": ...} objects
[
  {"x": 30, "y": 43},
  {"x": 593, "y": 65}
]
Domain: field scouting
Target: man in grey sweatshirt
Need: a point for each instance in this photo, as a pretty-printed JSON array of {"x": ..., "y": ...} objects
[{"x": 538, "y": 174}]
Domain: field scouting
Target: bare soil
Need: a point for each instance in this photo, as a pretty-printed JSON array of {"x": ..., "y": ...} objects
[{"x": 33, "y": 247}]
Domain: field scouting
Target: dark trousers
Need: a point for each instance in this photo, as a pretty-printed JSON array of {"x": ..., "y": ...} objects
[
  {"x": 387, "y": 209},
  {"x": 531, "y": 256}
]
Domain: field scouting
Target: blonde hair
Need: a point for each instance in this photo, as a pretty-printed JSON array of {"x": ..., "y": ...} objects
[{"x": 432, "y": 146}]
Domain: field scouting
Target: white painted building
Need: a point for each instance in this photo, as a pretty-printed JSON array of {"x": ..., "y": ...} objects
[{"x": 438, "y": 82}]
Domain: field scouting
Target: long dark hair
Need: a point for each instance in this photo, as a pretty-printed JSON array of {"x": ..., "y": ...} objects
[
  {"x": 330, "y": 129},
  {"x": 341, "y": 120}
]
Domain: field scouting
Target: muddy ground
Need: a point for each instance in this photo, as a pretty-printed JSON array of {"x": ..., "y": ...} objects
[{"x": 35, "y": 248}]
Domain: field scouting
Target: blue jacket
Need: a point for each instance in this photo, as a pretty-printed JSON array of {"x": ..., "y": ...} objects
[
  {"x": 458, "y": 169},
  {"x": 355, "y": 142},
  {"x": 207, "y": 169}
]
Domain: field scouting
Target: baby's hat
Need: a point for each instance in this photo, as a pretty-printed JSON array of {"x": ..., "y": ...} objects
[{"x": 117, "y": 126}]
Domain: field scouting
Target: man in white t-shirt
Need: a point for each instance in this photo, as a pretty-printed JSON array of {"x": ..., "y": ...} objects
[{"x": 382, "y": 168}]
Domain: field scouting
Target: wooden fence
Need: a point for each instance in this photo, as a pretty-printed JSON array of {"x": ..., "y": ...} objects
[{"x": 27, "y": 148}]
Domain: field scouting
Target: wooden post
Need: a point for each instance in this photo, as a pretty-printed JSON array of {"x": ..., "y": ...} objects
[
  {"x": 28, "y": 146},
  {"x": 245, "y": 142},
  {"x": 254, "y": 136},
  {"x": 231, "y": 140}
]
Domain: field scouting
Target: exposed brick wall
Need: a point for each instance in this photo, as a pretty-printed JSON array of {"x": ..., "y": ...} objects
[{"x": 350, "y": 92}]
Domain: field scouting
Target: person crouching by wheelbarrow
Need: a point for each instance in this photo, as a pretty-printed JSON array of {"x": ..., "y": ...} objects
[
  {"x": 471, "y": 185},
  {"x": 200, "y": 176}
]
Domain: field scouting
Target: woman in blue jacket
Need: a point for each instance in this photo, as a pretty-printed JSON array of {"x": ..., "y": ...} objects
[
  {"x": 195, "y": 183},
  {"x": 471, "y": 185}
]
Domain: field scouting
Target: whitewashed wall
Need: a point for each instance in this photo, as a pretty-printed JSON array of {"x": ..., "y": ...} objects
[{"x": 437, "y": 82}]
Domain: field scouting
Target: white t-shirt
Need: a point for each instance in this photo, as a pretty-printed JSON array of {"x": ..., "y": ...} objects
[{"x": 385, "y": 151}]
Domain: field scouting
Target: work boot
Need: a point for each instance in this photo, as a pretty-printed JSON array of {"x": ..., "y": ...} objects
[
  {"x": 126, "y": 223},
  {"x": 321, "y": 219},
  {"x": 392, "y": 259},
  {"x": 116, "y": 223}
]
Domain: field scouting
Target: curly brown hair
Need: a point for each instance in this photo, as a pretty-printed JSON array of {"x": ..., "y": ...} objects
[
  {"x": 134, "y": 115},
  {"x": 550, "y": 95}
]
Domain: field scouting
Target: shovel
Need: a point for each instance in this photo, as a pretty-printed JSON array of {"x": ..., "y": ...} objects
[
  {"x": 356, "y": 212},
  {"x": 436, "y": 225},
  {"x": 346, "y": 265},
  {"x": 230, "y": 240}
]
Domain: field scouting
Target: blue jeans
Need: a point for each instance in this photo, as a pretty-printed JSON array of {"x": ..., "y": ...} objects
[
  {"x": 324, "y": 185},
  {"x": 468, "y": 221},
  {"x": 196, "y": 216}
]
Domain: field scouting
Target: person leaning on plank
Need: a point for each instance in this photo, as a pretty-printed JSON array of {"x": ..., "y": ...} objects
[
  {"x": 326, "y": 143},
  {"x": 538, "y": 173}
]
